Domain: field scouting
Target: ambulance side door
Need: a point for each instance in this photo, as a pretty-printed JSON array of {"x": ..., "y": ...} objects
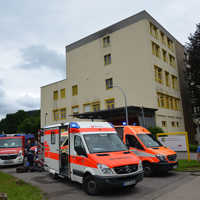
[
  {"x": 135, "y": 145},
  {"x": 52, "y": 152},
  {"x": 78, "y": 156}
]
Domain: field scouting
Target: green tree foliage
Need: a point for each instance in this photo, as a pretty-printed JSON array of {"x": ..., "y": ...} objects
[
  {"x": 193, "y": 72},
  {"x": 155, "y": 130},
  {"x": 21, "y": 121}
]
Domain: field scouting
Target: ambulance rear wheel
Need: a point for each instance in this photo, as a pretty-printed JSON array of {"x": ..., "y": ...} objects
[
  {"x": 148, "y": 171},
  {"x": 90, "y": 186}
]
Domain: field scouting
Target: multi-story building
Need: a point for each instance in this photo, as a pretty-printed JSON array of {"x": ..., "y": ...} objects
[{"x": 136, "y": 55}]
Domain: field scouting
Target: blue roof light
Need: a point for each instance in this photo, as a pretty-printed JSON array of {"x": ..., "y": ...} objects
[
  {"x": 124, "y": 123},
  {"x": 74, "y": 125},
  {"x": 111, "y": 124}
]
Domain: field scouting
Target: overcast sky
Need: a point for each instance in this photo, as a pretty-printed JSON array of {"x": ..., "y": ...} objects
[{"x": 33, "y": 36}]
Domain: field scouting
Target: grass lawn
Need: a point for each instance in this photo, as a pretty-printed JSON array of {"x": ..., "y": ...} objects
[
  {"x": 185, "y": 165},
  {"x": 17, "y": 189}
]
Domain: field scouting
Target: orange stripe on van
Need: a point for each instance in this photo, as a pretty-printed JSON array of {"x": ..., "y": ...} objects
[
  {"x": 52, "y": 155},
  {"x": 48, "y": 132},
  {"x": 84, "y": 161},
  {"x": 87, "y": 130}
]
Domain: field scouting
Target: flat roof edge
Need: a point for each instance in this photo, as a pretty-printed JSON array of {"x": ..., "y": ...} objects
[
  {"x": 117, "y": 26},
  {"x": 52, "y": 83}
]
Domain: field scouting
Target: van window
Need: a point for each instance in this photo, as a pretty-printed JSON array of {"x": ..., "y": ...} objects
[
  {"x": 149, "y": 141},
  {"x": 133, "y": 142},
  {"x": 78, "y": 142},
  {"x": 53, "y": 137},
  {"x": 104, "y": 142}
]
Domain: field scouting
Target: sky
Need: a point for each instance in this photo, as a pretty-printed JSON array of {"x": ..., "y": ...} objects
[{"x": 33, "y": 36}]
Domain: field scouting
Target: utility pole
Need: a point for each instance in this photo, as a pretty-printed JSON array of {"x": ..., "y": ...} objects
[{"x": 125, "y": 101}]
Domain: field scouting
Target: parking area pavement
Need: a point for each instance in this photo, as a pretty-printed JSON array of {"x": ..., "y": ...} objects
[{"x": 149, "y": 188}]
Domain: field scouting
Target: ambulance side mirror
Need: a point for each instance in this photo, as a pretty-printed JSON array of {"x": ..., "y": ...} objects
[{"x": 80, "y": 151}]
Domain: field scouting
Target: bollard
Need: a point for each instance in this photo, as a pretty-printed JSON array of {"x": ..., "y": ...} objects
[{"x": 3, "y": 196}]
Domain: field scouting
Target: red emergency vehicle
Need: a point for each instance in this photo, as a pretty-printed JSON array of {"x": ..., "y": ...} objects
[
  {"x": 12, "y": 150},
  {"x": 96, "y": 157},
  {"x": 154, "y": 156}
]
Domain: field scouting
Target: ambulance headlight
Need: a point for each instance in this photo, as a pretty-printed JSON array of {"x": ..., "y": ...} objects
[
  {"x": 140, "y": 165},
  {"x": 161, "y": 157},
  {"x": 104, "y": 169}
]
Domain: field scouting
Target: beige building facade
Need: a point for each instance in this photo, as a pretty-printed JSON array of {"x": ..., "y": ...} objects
[{"x": 136, "y": 54}]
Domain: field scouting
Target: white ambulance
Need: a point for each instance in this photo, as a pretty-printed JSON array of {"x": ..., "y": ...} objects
[{"x": 95, "y": 156}]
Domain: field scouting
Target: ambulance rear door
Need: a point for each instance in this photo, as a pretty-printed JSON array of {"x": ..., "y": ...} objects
[{"x": 52, "y": 149}]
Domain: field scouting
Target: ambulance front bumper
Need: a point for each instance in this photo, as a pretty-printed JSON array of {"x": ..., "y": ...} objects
[
  {"x": 165, "y": 166},
  {"x": 122, "y": 181},
  {"x": 7, "y": 160}
]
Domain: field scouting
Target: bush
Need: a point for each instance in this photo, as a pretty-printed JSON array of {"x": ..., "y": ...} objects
[
  {"x": 155, "y": 130},
  {"x": 193, "y": 147}
]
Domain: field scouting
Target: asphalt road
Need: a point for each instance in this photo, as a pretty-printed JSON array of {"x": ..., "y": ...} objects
[{"x": 149, "y": 189}]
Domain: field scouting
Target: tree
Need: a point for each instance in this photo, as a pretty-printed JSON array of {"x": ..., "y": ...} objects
[
  {"x": 21, "y": 121},
  {"x": 193, "y": 69},
  {"x": 29, "y": 125}
]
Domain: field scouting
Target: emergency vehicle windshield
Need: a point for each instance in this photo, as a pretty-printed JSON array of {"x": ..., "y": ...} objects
[
  {"x": 149, "y": 141},
  {"x": 10, "y": 143},
  {"x": 104, "y": 142}
]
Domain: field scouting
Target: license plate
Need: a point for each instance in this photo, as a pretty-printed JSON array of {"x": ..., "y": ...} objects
[{"x": 129, "y": 183}]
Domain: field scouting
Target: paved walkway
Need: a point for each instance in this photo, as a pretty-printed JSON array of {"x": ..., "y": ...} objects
[{"x": 186, "y": 191}]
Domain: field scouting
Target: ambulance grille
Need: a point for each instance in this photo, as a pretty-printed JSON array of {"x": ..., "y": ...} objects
[
  {"x": 172, "y": 157},
  {"x": 8, "y": 157},
  {"x": 126, "y": 169}
]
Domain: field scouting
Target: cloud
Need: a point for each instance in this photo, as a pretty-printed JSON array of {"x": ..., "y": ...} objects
[
  {"x": 28, "y": 102},
  {"x": 5, "y": 106},
  {"x": 38, "y": 56}
]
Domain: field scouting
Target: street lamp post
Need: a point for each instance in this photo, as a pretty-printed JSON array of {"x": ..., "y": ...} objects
[
  {"x": 46, "y": 118},
  {"x": 125, "y": 101}
]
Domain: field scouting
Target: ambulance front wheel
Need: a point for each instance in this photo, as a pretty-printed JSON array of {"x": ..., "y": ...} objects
[
  {"x": 90, "y": 186},
  {"x": 148, "y": 171}
]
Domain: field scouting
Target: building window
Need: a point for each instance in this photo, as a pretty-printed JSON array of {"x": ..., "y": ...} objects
[
  {"x": 74, "y": 90},
  {"x": 63, "y": 113},
  {"x": 106, "y": 41},
  {"x": 55, "y": 95},
  {"x": 171, "y": 105},
  {"x": 110, "y": 104},
  {"x": 167, "y": 82},
  {"x": 75, "y": 109},
  {"x": 62, "y": 93},
  {"x": 174, "y": 82},
  {"x": 170, "y": 44},
  {"x": 107, "y": 59},
  {"x": 164, "y": 124},
  {"x": 166, "y": 101},
  {"x": 87, "y": 107},
  {"x": 177, "y": 124},
  {"x": 177, "y": 104},
  {"x": 173, "y": 124},
  {"x": 164, "y": 55},
  {"x": 155, "y": 49},
  {"x": 153, "y": 30},
  {"x": 162, "y": 35},
  {"x": 96, "y": 106},
  {"x": 158, "y": 74},
  {"x": 172, "y": 61},
  {"x": 55, "y": 115},
  {"x": 109, "y": 83}
]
